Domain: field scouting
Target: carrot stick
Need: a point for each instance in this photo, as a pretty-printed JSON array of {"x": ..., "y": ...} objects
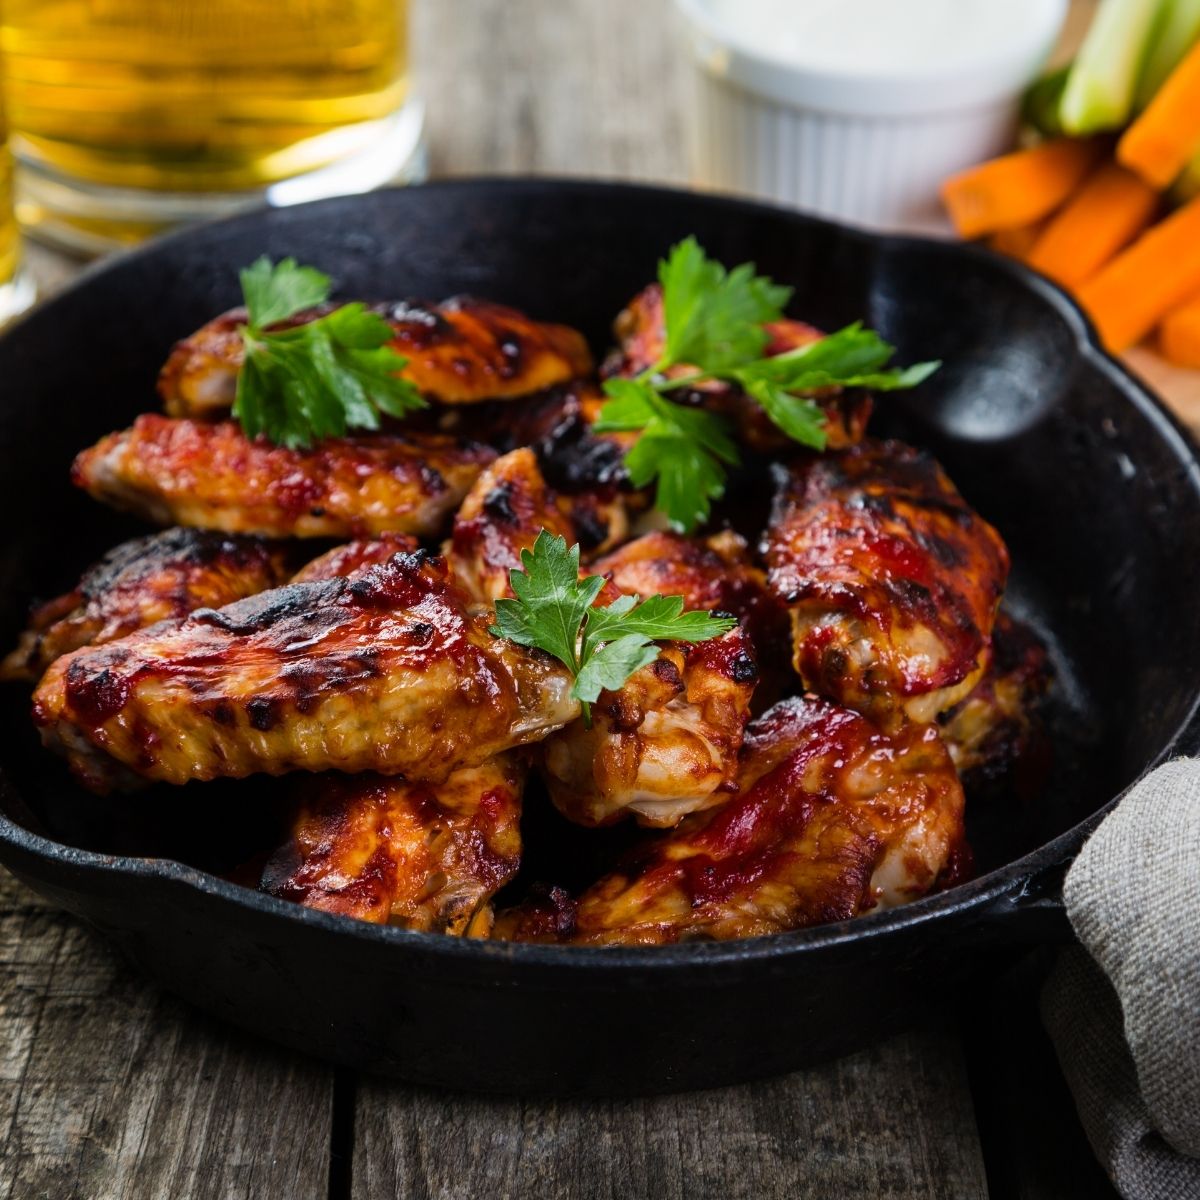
[
  {"x": 1018, "y": 241},
  {"x": 1179, "y": 335},
  {"x": 1133, "y": 292},
  {"x": 1018, "y": 188},
  {"x": 1160, "y": 142},
  {"x": 1106, "y": 214}
]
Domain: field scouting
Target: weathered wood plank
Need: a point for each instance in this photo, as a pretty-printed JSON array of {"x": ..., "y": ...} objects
[
  {"x": 108, "y": 1088},
  {"x": 577, "y": 88},
  {"x": 892, "y": 1123}
]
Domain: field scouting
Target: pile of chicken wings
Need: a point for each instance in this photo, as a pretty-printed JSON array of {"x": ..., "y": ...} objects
[{"x": 326, "y": 614}]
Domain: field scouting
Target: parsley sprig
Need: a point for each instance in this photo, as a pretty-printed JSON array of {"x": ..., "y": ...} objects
[
  {"x": 714, "y": 327},
  {"x": 318, "y": 379},
  {"x": 601, "y": 647}
]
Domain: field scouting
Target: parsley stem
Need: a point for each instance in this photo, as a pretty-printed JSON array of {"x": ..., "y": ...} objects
[{"x": 670, "y": 385}]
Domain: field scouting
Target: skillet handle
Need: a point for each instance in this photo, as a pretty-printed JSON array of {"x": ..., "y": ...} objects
[{"x": 1034, "y": 913}]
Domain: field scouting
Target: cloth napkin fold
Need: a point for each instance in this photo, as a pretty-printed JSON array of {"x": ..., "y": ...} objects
[{"x": 1124, "y": 1011}]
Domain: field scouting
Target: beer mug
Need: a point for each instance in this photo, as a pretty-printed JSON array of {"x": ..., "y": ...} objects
[{"x": 131, "y": 115}]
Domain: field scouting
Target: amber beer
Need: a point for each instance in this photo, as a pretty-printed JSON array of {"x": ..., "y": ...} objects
[
  {"x": 15, "y": 291},
  {"x": 198, "y": 96}
]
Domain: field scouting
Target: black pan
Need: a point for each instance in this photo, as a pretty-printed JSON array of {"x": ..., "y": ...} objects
[{"x": 1095, "y": 487}]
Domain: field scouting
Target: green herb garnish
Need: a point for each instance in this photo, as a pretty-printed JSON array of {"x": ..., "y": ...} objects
[
  {"x": 319, "y": 379},
  {"x": 601, "y": 647},
  {"x": 714, "y": 323}
]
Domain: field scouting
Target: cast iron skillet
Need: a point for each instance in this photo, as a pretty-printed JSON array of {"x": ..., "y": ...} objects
[{"x": 1095, "y": 487}]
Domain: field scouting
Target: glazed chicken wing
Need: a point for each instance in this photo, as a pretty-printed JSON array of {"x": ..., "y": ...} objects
[
  {"x": 383, "y": 672},
  {"x": 640, "y": 331},
  {"x": 462, "y": 351},
  {"x": 502, "y": 515},
  {"x": 891, "y": 578},
  {"x": 833, "y": 818},
  {"x": 424, "y": 856},
  {"x": 353, "y": 558},
  {"x": 213, "y": 476},
  {"x": 149, "y": 579}
]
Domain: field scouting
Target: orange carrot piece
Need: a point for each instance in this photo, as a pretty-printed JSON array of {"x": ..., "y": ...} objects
[
  {"x": 1179, "y": 335},
  {"x": 1162, "y": 141},
  {"x": 1106, "y": 214},
  {"x": 1018, "y": 188},
  {"x": 1016, "y": 242},
  {"x": 1130, "y": 295}
]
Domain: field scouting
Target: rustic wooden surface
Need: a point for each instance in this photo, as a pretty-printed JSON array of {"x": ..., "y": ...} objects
[{"x": 108, "y": 1088}]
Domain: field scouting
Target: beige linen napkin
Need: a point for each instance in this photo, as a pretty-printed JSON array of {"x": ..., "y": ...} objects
[{"x": 1124, "y": 1011}]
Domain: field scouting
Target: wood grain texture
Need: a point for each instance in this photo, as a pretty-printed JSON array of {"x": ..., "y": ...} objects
[
  {"x": 893, "y": 1123},
  {"x": 109, "y": 1089}
]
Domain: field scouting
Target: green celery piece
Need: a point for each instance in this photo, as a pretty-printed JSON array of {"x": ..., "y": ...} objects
[
  {"x": 1187, "y": 186},
  {"x": 1041, "y": 108},
  {"x": 1100, "y": 88},
  {"x": 1175, "y": 33}
]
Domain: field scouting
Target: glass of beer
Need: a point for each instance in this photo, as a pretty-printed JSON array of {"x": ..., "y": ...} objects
[
  {"x": 132, "y": 115},
  {"x": 16, "y": 291}
]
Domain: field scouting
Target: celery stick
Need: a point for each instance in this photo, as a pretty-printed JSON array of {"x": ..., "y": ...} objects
[
  {"x": 1176, "y": 32},
  {"x": 1100, "y": 87},
  {"x": 1043, "y": 100}
]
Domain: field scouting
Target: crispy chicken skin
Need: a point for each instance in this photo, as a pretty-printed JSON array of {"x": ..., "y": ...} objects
[
  {"x": 995, "y": 734},
  {"x": 353, "y": 558},
  {"x": 714, "y": 573},
  {"x": 502, "y": 515},
  {"x": 833, "y": 819},
  {"x": 142, "y": 581},
  {"x": 423, "y": 856},
  {"x": 462, "y": 351},
  {"x": 640, "y": 333},
  {"x": 891, "y": 578},
  {"x": 213, "y": 476},
  {"x": 383, "y": 672},
  {"x": 664, "y": 745}
]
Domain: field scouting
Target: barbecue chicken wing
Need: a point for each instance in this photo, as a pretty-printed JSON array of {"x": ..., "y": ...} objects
[
  {"x": 149, "y": 579},
  {"x": 383, "y": 672},
  {"x": 424, "y": 856},
  {"x": 353, "y": 558},
  {"x": 891, "y": 578},
  {"x": 462, "y": 351},
  {"x": 213, "y": 476},
  {"x": 833, "y": 818},
  {"x": 995, "y": 734},
  {"x": 502, "y": 515},
  {"x": 715, "y": 573},
  {"x": 640, "y": 333}
]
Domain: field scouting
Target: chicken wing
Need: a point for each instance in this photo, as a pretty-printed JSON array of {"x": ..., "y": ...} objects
[
  {"x": 459, "y": 352},
  {"x": 995, "y": 734},
  {"x": 640, "y": 332},
  {"x": 502, "y": 515},
  {"x": 148, "y": 579},
  {"x": 833, "y": 819},
  {"x": 424, "y": 856},
  {"x": 383, "y": 672},
  {"x": 353, "y": 558},
  {"x": 891, "y": 578},
  {"x": 213, "y": 476}
]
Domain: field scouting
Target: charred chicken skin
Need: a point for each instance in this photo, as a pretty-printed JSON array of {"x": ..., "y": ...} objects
[
  {"x": 213, "y": 476},
  {"x": 148, "y": 579},
  {"x": 353, "y": 558},
  {"x": 640, "y": 331},
  {"x": 423, "y": 856},
  {"x": 462, "y": 351},
  {"x": 891, "y": 578},
  {"x": 833, "y": 818},
  {"x": 383, "y": 672}
]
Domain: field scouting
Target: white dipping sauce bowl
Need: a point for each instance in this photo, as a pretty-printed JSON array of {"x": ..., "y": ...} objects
[{"x": 862, "y": 125}]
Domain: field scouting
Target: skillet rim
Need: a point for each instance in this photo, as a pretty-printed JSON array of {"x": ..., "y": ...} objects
[{"x": 1008, "y": 886}]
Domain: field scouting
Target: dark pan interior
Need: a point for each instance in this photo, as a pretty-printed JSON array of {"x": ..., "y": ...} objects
[{"x": 1089, "y": 482}]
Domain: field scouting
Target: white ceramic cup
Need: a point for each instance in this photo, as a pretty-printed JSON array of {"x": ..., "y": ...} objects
[{"x": 863, "y": 143}]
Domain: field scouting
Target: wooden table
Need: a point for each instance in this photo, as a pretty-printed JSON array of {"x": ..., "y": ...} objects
[{"x": 110, "y": 1088}]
